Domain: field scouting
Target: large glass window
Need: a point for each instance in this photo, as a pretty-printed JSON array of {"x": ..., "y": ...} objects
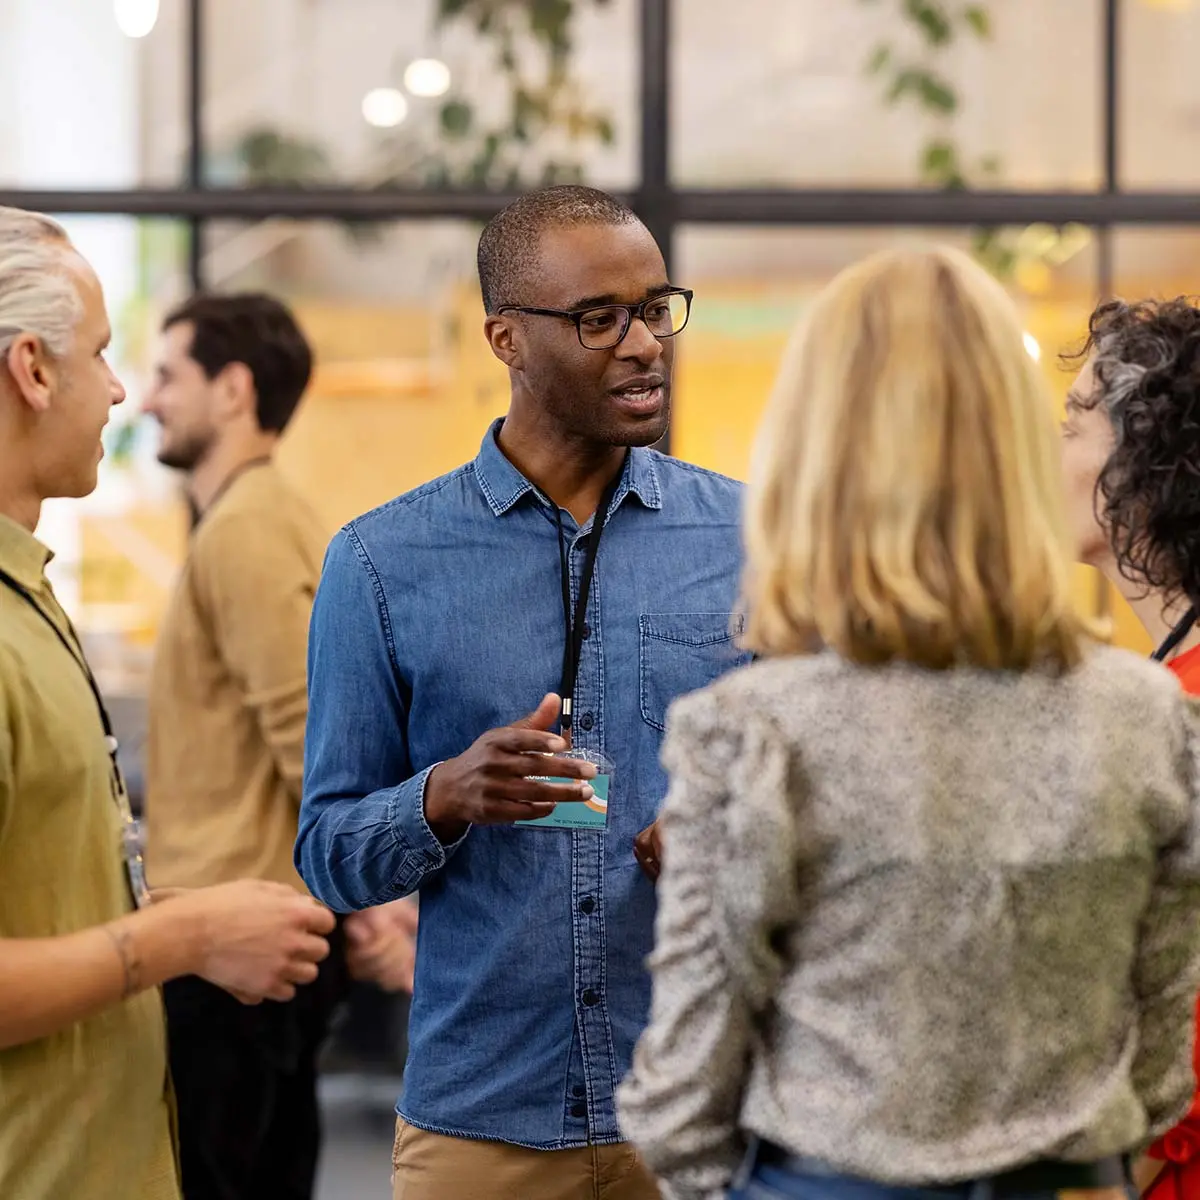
[
  {"x": 858, "y": 94},
  {"x": 405, "y": 383},
  {"x": 403, "y": 389},
  {"x": 752, "y": 285},
  {"x": 1159, "y": 116},
  {"x": 116, "y": 550},
  {"x": 427, "y": 109},
  {"x": 92, "y": 92},
  {"x": 373, "y": 93}
]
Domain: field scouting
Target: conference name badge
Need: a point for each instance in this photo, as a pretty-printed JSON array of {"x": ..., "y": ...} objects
[{"x": 579, "y": 814}]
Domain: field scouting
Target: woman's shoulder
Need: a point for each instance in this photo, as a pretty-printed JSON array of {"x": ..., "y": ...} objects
[
  {"x": 1126, "y": 675},
  {"x": 1144, "y": 711},
  {"x": 813, "y": 684},
  {"x": 767, "y": 695},
  {"x": 757, "y": 683}
]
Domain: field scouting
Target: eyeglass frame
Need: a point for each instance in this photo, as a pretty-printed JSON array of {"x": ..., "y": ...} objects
[{"x": 576, "y": 315}]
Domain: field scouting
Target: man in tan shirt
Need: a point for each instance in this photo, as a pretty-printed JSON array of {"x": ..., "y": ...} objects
[
  {"x": 225, "y": 746},
  {"x": 85, "y": 1104}
]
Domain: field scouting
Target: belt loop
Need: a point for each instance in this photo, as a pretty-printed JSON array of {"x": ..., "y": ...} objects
[{"x": 749, "y": 1159}]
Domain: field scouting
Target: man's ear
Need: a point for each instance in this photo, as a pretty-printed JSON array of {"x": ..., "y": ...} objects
[
  {"x": 33, "y": 371},
  {"x": 235, "y": 389},
  {"x": 505, "y": 342}
]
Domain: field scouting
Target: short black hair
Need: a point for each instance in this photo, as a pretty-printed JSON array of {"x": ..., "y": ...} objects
[
  {"x": 1146, "y": 360},
  {"x": 259, "y": 331},
  {"x": 508, "y": 246}
]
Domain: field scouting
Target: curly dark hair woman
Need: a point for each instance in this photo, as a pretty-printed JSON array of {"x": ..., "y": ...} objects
[
  {"x": 1131, "y": 452},
  {"x": 1131, "y": 458}
]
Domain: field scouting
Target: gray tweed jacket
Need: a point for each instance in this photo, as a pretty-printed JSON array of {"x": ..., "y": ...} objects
[{"x": 923, "y": 926}]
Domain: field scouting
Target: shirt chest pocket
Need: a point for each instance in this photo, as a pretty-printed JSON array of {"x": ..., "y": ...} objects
[{"x": 682, "y": 652}]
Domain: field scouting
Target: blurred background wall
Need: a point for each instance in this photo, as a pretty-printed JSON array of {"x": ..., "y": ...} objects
[{"x": 344, "y": 153}]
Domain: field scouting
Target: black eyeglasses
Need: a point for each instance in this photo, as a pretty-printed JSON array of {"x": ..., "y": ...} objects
[{"x": 603, "y": 328}]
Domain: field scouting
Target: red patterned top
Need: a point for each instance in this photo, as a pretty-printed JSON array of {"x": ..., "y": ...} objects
[{"x": 1180, "y": 1147}]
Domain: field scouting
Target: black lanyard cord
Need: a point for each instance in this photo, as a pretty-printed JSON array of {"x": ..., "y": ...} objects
[
  {"x": 564, "y": 575},
  {"x": 574, "y": 626},
  {"x": 77, "y": 656},
  {"x": 1180, "y": 631}
]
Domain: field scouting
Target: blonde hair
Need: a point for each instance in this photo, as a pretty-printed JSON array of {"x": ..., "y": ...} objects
[
  {"x": 37, "y": 292},
  {"x": 906, "y": 501}
]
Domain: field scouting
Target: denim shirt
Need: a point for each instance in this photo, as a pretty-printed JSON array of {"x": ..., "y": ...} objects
[{"x": 439, "y": 616}]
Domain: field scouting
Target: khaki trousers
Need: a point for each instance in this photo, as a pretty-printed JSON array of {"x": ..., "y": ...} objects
[{"x": 430, "y": 1166}]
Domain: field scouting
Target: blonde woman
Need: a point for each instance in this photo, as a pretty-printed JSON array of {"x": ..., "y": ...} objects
[{"x": 928, "y": 916}]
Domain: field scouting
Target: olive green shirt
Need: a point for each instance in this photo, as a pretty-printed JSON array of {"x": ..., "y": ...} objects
[{"x": 84, "y": 1113}]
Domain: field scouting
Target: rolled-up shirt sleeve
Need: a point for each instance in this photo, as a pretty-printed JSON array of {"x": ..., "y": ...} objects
[
  {"x": 727, "y": 888},
  {"x": 363, "y": 838}
]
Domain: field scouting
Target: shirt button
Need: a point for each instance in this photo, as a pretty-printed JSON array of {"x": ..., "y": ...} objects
[
  {"x": 579, "y": 1091},
  {"x": 586, "y": 722},
  {"x": 587, "y": 905},
  {"x": 579, "y": 1110},
  {"x": 590, "y": 998},
  {"x": 587, "y": 631}
]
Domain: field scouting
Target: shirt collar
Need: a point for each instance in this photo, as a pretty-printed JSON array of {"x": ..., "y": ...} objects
[
  {"x": 21, "y": 555},
  {"x": 503, "y": 485}
]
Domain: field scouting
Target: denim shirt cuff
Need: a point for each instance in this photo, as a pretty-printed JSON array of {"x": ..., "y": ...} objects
[{"x": 422, "y": 851}]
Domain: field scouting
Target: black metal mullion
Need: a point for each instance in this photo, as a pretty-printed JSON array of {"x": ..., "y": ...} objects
[
  {"x": 748, "y": 207},
  {"x": 1105, "y": 285},
  {"x": 334, "y": 204},
  {"x": 1105, "y": 266},
  {"x": 195, "y": 149},
  {"x": 654, "y": 200},
  {"x": 893, "y": 208},
  {"x": 1112, "y": 95}
]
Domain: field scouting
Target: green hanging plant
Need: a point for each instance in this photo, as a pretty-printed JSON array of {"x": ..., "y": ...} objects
[
  {"x": 270, "y": 157},
  {"x": 919, "y": 81},
  {"x": 533, "y": 42},
  {"x": 543, "y": 99}
]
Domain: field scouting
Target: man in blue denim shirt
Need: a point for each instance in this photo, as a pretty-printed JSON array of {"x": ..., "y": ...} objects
[{"x": 440, "y": 621}]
